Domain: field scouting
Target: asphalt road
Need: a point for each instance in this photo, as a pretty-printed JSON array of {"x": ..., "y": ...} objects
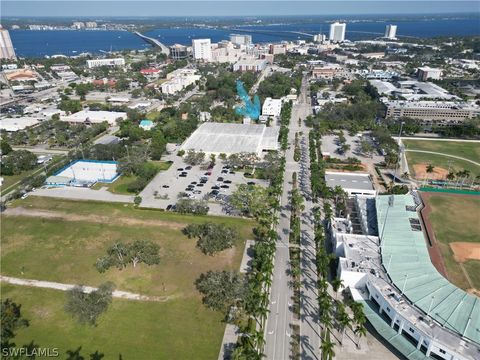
[{"x": 280, "y": 317}]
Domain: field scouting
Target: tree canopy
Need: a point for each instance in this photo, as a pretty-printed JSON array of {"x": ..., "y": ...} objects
[
  {"x": 87, "y": 307},
  {"x": 121, "y": 255},
  {"x": 212, "y": 237}
]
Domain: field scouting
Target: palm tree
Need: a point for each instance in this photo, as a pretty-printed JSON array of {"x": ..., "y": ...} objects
[
  {"x": 327, "y": 348},
  {"x": 337, "y": 283},
  {"x": 360, "y": 331},
  {"x": 406, "y": 175},
  {"x": 430, "y": 168},
  {"x": 343, "y": 319}
]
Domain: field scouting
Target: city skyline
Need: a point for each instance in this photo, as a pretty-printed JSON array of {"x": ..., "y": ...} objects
[{"x": 67, "y": 8}]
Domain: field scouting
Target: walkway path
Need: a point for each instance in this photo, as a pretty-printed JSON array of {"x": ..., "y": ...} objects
[
  {"x": 86, "y": 289},
  {"x": 74, "y": 193},
  {"x": 443, "y": 154},
  {"x": 439, "y": 139}
]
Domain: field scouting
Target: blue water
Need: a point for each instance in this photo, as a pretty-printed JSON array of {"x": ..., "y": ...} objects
[{"x": 40, "y": 43}]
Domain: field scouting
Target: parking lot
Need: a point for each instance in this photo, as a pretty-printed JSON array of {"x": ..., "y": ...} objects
[
  {"x": 330, "y": 146},
  {"x": 200, "y": 182}
]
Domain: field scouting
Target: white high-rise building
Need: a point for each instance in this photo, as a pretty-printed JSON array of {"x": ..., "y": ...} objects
[
  {"x": 391, "y": 32},
  {"x": 6, "y": 46},
  {"x": 337, "y": 31},
  {"x": 202, "y": 49},
  {"x": 240, "y": 39}
]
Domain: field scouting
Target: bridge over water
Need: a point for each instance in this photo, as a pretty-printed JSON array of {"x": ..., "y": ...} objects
[{"x": 164, "y": 49}]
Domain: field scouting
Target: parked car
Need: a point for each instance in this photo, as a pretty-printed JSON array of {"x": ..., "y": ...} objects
[
  {"x": 180, "y": 169},
  {"x": 215, "y": 187},
  {"x": 200, "y": 185},
  {"x": 169, "y": 207},
  {"x": 220, "y": 178},
  {"x": 214, "y": 192},
  {"x": 188, "y": 168},
  {"x": 193, "y": 183},
  {"x": 197, "y": 192},
  {"x": 227, "y": 181},
  {"x": 232, "y": 172},
  {"x": 225, "y": 171},
  {"x": 183, "y": 175},
  {"x": 165, "y": 186},
  {"x": 224, "y": 186},
  {"x": 251, "y": 183}
]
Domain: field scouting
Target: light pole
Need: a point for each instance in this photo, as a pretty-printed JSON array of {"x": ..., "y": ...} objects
[{"x": 399, "y": 153}]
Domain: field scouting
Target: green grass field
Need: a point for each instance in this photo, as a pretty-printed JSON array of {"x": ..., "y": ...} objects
[
  {"x": 65, "y": 250},
  {"x": 120, "y": 186},
  {"x": 467, "y": 150},
  {"x": 455, "y": 218}
]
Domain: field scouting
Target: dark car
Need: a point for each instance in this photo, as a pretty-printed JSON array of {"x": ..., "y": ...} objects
[
  {"x": 247, "y": 174},
  {"x": 224, "y": 186},
  {"x": 225, "y": 171},
  {"x": 203, "y": 181},
  {"x": 250, "y": 183},
  {"x": 220, "y": 178},
  {"x": 208, "y": 173},
  {"x": 183, "y": 175},
  {"x": 200, "y": 185},
  {"x": 215, "y": 187},
  {"x": 193, "y": 183},
  {"x": 188, "y": 168},
  {"x": 227, "y": 181},
  {"x": 232, "y": 172},
  {"x": 169, "y": 207},
  {"x": 180, "y": 169},
  {"x": 165, "y": 186},
  {"x": 214, "y": 192}
]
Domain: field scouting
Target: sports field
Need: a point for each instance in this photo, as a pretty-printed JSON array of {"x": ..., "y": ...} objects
[
  {"x": 60, "y": 240},
  {"x": 454, "y": 227},
  {"x": 417, "y": 161}
]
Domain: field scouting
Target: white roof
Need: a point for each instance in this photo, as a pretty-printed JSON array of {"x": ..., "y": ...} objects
[
  {"x": 232, "y": 138},
  {"x": 94, "y": 116},
  {"x": 15, "y": 124}
]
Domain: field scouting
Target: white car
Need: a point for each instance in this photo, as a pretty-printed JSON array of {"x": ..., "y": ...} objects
[{"x": 24, "y": 196}]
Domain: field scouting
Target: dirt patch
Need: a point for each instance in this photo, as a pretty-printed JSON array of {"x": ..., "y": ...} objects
[
  {"x": 463, "y": 251},
  {"x": 420, "y": 171},
  {"x": 20, "y": 211}
]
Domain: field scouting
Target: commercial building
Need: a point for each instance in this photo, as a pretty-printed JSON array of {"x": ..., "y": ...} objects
[
  {"x": 178, "y": 80},
  {"x": 328, "y": 71},
  {"x": 202, "y": 49},
  {"x": 352, "y": 183},
  {"x": 278, "y": 49},
  {"x": 94, "y": 117},
  {"x": 240, "y": 39},
  {"x": 385, "y": 264},
  {"x": 413, "y": 90},
  {"x": 178, "y": 52},
  {"x": 105, "y": 62},
  {"x": 337, "y": 32},
  {"x": 84, "y": 173},
  {"x": 218, "y": 138},
  {"x": 424, "y": 73},
  {"x": 272, "y": 107},
  {"x": 15, "y": 124},
  {"x": 6, "y": 47},
  {"x": 447, "y": 112},
  {"x": 391, "y": 32},
  {"x": 250, "y": 64}
]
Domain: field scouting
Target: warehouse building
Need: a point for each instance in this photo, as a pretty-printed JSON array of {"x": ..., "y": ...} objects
[
  {"x": 94, "y": 117},
  {"x": 218, "y": 138}
]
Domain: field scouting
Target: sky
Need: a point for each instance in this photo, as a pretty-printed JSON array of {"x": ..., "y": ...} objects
[{"x": 75, "y": 8}]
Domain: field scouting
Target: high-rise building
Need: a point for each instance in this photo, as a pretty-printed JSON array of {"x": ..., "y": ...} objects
[
  {"x": 239, "y": 39},
  {"x": 337, "y": 31},
  {"x": 6, "y": 46},
  {"x": 178, "y": 51},
  {"x": 391, "y": 32},
  {"x": 90, "y": 24},
  {"x": 202, "y": 49}
]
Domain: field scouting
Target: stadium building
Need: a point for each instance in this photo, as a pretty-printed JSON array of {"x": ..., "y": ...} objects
[{"x": 385, "y": 264}]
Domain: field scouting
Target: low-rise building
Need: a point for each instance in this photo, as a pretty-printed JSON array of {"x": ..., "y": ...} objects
[
  {"x": 272, "y": 107},
  {"x": 352, "y": 183},
  {"x": 328, "y": 71},
  {"x": 424, "y": 73},
  {"x": 250, "y": 64},
  {"x": 16, "y": 124},
  {"x": 447, "y": 112},
  {"x": 94, "y": 117},
  {"x": 105, "y": 62}
]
